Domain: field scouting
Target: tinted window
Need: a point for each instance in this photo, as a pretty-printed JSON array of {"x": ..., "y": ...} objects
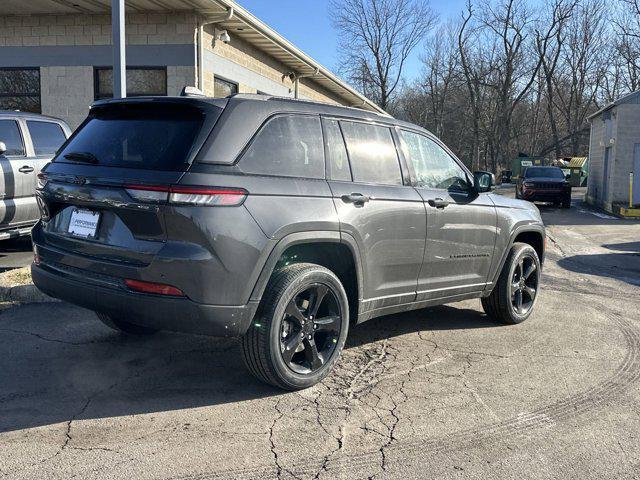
[
  {"x": 434, "y": 167},
  {"x": 140, "y": 81},
  {"x": 288, "y": 145},
  {"x": 47, "y": 137},
  {"x": 372, "y": 153},
  {"x": 337, "y": 159},
  {"x": 538, "y": 172},
  {"x": 20, "y": 89},
  {"x": 10, "y": 135},
  {"x": 152, "y": 137}
]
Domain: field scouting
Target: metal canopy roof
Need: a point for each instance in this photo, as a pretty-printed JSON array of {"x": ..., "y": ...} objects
[{"x": 243, "y": 24}]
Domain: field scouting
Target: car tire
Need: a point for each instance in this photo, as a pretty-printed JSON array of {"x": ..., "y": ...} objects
[
  {"x": 566, "y": 203},
  {"x": 514, "y": 295},
  {"x": 279, "y": 346},
  {"x": 125, "y": 327}
]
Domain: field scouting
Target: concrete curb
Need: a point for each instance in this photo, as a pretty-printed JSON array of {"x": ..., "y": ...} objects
[{"x": 24, "y": 294}]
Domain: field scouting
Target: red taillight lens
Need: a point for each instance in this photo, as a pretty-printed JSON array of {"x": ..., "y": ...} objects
[
  {"x": 207, "y": 196},
  {"x": 187, "y": 195},
  {"x": 155, "y": 288}
]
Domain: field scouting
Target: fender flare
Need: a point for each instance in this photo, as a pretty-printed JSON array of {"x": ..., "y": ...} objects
[
  {"x": 531, "y": 227},
  {"x": 301, "y": 238}
]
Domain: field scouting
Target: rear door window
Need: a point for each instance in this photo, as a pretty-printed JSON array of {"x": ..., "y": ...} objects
[
  {"x": 149, "y": 137},
  {"x": 337, "y": 159},
  {"x": 372, "y": 153},
  {"x": 10, "y": 135},
  {"x": 46, "y": 137},
  {"x": 287, "y": 145}
]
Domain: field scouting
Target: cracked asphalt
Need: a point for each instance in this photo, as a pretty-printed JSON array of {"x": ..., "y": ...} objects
[{"x": 439, "y": 393}]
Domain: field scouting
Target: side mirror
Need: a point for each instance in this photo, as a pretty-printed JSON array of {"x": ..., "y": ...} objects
[
  {"x": 483, "y": 181},
  {"x": 567, "y": 176},
  {"x": 3, "y": 148}
]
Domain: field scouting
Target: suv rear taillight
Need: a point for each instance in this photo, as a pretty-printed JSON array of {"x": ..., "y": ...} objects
[{"x": 188, "y": 195}]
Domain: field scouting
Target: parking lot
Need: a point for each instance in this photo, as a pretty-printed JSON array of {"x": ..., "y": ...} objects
[{"x": 439, "y": 393}]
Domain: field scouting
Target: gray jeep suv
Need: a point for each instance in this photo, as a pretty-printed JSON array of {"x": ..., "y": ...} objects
[{"x": 279, "y": 221}]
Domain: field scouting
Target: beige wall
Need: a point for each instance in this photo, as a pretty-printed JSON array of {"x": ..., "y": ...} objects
[
  {"x": 50, "y": 30},
  {"x": 66, "y": 92},
  {"x": 258, "y": 63},
  {"x": 67, "y": 89},
  {"x": 625, "y": 134}
]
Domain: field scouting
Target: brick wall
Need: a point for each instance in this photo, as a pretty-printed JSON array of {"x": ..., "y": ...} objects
[
  {"x": 66, "y": 92},
  {"x": 259, "y": 63},
  {"x": 627, "y": 135},
  {"x": 596, "y": 161},
  {"x": 67, "y": 88},
  {"x": 50, "y": 30}
]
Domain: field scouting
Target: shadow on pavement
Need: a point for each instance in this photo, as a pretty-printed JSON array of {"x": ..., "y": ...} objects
[
  {"x": 621, "y": 266},
  {"x": 61, "y": 364},
  {"x": 624, "y": 247}
]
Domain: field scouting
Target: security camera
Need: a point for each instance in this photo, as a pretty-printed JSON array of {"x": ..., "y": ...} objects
[{"x": 224, "y": 37}]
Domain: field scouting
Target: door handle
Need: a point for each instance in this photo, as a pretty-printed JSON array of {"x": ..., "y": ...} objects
[
  {"x": 438, "y": 203},
  {"x": 355, "y": 198},
  {"x": 25, "y": 169}
]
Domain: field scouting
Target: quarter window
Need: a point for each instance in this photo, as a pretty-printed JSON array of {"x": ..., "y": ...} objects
[
  {"x": 337, "y": 159},
  {"x": 47, "y": 137},
  {"x": 140, "y": 81},
  {"x": 20, "y": 89},
  {"x": 434, "y": 167},
  {"x": 289, "y": 146},
  {"x": 223, "y": 88},
  {"x": 10, "y": 135},
  {"x": 372, "y": 153}
]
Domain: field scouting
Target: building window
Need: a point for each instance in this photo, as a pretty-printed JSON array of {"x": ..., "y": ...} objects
[
  {"x": 20, "y": 89},
  {"x": 224, "y": 88},
  {"x": 140, "y": 81}
]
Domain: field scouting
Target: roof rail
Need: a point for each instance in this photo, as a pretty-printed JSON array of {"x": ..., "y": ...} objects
[{"x": 265, "y": 97}]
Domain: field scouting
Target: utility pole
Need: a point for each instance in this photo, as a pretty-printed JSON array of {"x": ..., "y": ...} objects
[{"x": 119, "y": 49}]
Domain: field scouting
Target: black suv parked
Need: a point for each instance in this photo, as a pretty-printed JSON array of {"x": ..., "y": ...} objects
[
  {"x": 545, "y": 184},
  {"x": 280, "y": 221}
]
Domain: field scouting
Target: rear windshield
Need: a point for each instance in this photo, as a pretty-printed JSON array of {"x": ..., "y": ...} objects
[
  {"x": 150, "y": 137},
  {"x": 548, "y": 172}
]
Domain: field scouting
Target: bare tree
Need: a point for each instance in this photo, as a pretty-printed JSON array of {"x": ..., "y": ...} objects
[{"x": 378, "y": 36}]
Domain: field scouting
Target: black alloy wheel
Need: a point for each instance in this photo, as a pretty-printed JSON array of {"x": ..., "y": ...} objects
[
  {"x": 310, "y": 329},
  {"x": 524, "y": 284},
  {"x": 514, "y": 296},
  {"x": 300, "y": 329}
]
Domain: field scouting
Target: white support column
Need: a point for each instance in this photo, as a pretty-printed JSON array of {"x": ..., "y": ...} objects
[{"x": 119, "y": 49}]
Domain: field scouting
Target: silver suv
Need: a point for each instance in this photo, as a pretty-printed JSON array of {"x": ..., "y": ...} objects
[
  {"x": 282, "y": 222},
  {"x": 27, "y": 143}
]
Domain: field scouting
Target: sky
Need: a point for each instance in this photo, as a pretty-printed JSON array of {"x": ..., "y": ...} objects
[{"x": 306, "y": 24}]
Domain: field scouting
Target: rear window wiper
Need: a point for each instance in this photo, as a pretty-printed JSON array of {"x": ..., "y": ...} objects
[{"x": 86, "y": 157}]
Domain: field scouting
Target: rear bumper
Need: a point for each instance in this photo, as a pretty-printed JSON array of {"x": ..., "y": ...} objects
[{"x": 170, "y": 313}]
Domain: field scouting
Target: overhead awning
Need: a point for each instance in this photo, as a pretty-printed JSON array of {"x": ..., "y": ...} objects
[
  {"x": 243, "y": 24},
  {"x": 577, "y": 162}
]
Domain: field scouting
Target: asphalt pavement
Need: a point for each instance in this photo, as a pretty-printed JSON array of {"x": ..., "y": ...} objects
[
  {"x": 439, "y": 393},
  {"x": 15, "y": 253}
]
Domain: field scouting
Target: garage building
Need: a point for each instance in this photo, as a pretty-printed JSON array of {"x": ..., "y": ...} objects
[
  {"x": 614, "y": 152},
  {"x": 56, "y": 56}
]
